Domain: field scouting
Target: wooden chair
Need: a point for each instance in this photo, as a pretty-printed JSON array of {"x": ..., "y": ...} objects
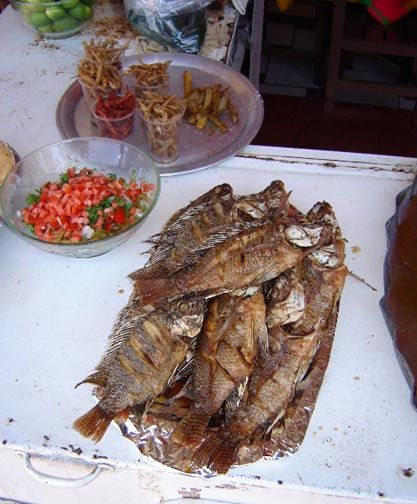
[{"x": 362, "y": 34}]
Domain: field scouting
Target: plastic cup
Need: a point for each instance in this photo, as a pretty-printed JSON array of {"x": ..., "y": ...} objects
[
  {"x": 163, "y": 137},
  {"x": 91, "y": 94},
  {"x": 119, "y": 128}
]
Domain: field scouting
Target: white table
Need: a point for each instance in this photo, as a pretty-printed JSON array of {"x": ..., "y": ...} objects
[{"x": 56, "y": 315}]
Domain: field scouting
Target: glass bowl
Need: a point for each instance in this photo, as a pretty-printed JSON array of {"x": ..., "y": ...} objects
[
  {"x": 54, "y": 20},
  {"x": 46, "y": 164}
]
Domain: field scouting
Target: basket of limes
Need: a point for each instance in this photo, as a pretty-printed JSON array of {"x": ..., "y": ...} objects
[{"x": 58, "y": 19}]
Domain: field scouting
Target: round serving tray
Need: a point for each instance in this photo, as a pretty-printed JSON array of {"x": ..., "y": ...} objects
[{"x": 198, "y": 149}]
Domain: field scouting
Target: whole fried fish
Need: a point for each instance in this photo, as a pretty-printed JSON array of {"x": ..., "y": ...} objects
[
  {"x": 248, "y": 258},
  {"x": 226, "y": 348},
  {"x": 191, "y": 230},
  {"x": 323, "y": 278},
  {"x": 143, "y": 353}
]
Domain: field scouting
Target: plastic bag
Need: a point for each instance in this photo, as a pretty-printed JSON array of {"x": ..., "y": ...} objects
[{"x": 180, "y": 23}]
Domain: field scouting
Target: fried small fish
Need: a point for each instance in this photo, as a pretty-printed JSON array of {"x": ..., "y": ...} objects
[
  {"x": 225, "y": 353},
  {"x": 248, "y": 258},
  {"x": 143, "y": 353}
]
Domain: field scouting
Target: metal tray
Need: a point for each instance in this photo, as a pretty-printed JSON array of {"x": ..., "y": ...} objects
[{"x": 198, "y": 149}]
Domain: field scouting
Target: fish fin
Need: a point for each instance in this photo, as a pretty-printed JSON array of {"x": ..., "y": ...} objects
[
  {"x": 202, "y": 455},
  {"x": 123, "y": 415},
  {"x": 153, "y": 270},
  {"x": 154, "y": 290},
  {"x": 98, "y": 378},
  {"x": 190, "y": 431},
  {"x": 93, "y": 424}
]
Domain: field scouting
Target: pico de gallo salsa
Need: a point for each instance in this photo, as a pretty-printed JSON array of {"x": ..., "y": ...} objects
[{"x": 85, "y": 205}]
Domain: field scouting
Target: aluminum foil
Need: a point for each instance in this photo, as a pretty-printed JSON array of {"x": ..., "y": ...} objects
[{"x": 151, "y": 429}]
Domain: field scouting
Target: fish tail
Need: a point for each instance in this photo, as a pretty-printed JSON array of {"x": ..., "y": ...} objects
[
  {"x": 93, "y": 424},
  {"x": 190, "y": 431},
  {"x": 203, "y": 454},
  {"x": 223, "y": 457},
  {"x": 153, "y": 290}
]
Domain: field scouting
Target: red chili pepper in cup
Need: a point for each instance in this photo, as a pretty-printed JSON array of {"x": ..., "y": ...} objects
[{"x": 115, "y": 114}]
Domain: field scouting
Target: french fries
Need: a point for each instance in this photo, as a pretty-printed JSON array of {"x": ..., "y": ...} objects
[
  {"x": 205, "y": 104},
  {"x": 161, "y": 117}
]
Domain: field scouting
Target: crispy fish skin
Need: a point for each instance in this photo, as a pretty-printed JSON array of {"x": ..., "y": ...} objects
[
  {"x": 289, "y": 433},
  {"x": 270, "y": 388},
  {"x": 286, "y": 300},
  {"x": 143, "y": 354},
  {"x": 224, "y": 358},
  {"x": 249, "y": 258},
  {"x": 188, "y": 231}
]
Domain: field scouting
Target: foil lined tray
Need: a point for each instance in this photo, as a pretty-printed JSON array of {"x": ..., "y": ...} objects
[{"x": 198, "y": 149}]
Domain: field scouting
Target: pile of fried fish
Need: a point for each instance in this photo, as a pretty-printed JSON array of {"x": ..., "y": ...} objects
[{"x": 222, "y": 347}]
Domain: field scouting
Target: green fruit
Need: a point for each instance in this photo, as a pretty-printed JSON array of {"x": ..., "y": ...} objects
[
  {"x": 78, "y": 12},
  {"x": 65, "y": 24},
  {"x": 39, "y": 19},
  {"x": 55, "y": 13},
  {"x": 69, "y": 4},
  {"x": 88, "y": 2},
  {"x": 88, "y": 12},
  {"x": 45, "y": 29}
]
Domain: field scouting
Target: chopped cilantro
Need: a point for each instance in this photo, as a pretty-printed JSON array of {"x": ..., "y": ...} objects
[
  {"x": 106, "y": 203},
  {"x": 33, "y": 198},
  {"x": 93, "y": 213},
  {"x": 112, "y": 176},
  {"x": 64, "y": 178}
]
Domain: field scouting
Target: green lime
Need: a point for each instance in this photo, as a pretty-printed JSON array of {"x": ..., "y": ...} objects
[
  {"x": 88, "y": 12},
  {"x": 69, "y": 4},
  {"x": 45, "y": 29},
  {"x": 78, "y": 12},
  {"x": 26, "y": 10},
  {"x": 88, "y": 2},
  {"x": 29, "y": 9},
  {"x": 55, "y": 13},
  {"x": 65, "y": 24},
  {"x": 39, "y": 19}
]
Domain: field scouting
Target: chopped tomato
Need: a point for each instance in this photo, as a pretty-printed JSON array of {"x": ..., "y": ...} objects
[{"x": 60, "y": 211}]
